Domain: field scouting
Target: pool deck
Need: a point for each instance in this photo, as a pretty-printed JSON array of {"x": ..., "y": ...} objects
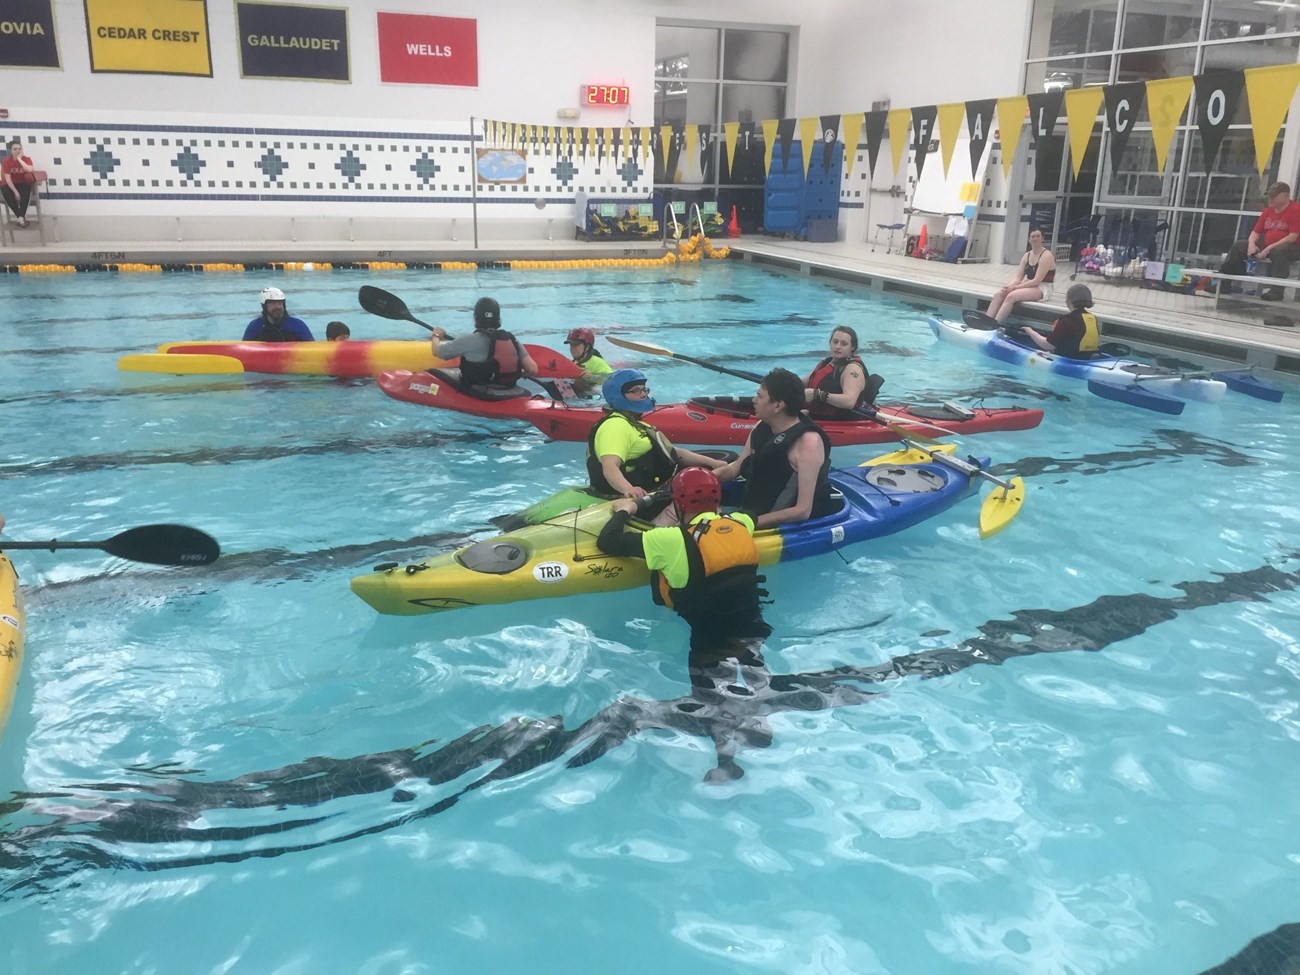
[{"x": 1233, "y": 334}]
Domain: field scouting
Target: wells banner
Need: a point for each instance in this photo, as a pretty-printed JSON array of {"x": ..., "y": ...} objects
[
  {"x": 149, "y": 36},
  {"x": 416, "y": 49},
  {"x": 27, "y": 34},
  {"x": 288, "y": 41}
]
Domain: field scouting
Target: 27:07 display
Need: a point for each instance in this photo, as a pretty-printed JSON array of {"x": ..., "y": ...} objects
[{"x": 608, "y": 95}]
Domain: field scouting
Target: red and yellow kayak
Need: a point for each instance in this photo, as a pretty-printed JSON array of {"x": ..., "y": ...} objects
[
  {"x": 346, "y": 359},
  {"x": 11, "y": 636}
]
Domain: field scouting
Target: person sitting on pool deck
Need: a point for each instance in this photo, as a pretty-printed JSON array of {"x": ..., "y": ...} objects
[
  {"x": 786, "y": 458},
  {"x": 839, "y": 386},
  {"x": 1031, "y": 282},
  {"x": 1075, "y": 335},
  {"x": 490, "y": 357},
  {"x": 626, "y": 456},
  {"x": 275, "y": 324},
  {"x": 582, "y": 348},
  {"x": 337, "y": 332}
]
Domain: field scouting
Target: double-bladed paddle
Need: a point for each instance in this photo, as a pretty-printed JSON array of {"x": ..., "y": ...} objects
[
  {"x": 385, "y": 304},
  {"x": 154, "y": 544}
]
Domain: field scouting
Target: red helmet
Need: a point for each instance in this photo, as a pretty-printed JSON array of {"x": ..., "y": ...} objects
[
  {"x": 583, "y": 335},
  {"x": 696, "y": 490}
]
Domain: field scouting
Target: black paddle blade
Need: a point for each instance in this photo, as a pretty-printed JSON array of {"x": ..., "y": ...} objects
[
  {"x": 385, "y": 304},
  {"x": 1117, "y": 349},
  {"x": 164, "y": 545},
  {"x": 979, "y": 320}
]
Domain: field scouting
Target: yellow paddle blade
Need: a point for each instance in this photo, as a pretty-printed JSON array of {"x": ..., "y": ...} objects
[
  {"x": 180, "y": 365},
  {"x": 645, "y": 347},
  {"x": 912, "y": 455},
  {"x": 1001, "y": 507}
]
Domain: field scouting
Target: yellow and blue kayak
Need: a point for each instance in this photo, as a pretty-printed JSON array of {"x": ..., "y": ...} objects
[
  {"x": 11, "y": 636},
  {"x": 560, "y": 558}
]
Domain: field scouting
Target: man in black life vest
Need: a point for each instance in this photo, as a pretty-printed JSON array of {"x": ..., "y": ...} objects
[
  {"x": 489, "y": 356},
  {"x": 786, "y": 458}
]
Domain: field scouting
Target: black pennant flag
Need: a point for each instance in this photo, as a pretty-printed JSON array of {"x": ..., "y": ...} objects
[
  {"x": 830, "y": 133},
  {"x": 922, "y": 133},
  {"x": 1044, "y": 110},
  {"x": 785, "y": 137},
  {"x": 1217, "y": 94},
  {"x": 873, "y": 127},
  {"x": 1123, "y": 103},
  {"x": 980, "y": 124}
]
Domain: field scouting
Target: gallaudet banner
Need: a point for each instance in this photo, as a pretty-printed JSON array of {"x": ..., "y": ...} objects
[
  {"x": 27, "y": 34},
  {"x": 416, "y": 49},
  {"x": 294, "y": 42},
  {"x": 149, "y": 36}
]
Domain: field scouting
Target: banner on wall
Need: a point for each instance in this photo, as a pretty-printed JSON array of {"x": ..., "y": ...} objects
[
  {"x": 149, "y": 37},
  {"x": 979, "y": 125},
  {"x": 418, "y": 49},
  {"x": 27, "y": 38},
  {"x": 922, "y": 130},
  {"x": 1123, "y": 103},
  {"x": 291, "y": 42}
]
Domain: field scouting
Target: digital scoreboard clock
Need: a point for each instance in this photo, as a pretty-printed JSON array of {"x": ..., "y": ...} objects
[{"x": 612, "y": 95}]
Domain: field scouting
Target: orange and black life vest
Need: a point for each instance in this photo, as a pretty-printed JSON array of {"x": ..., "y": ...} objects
[
  {"x": 721, "y": 597},
  {"x": 503, "y": 365}
]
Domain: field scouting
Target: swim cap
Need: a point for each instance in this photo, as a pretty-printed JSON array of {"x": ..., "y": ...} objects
[
  {"x": 1078, "y": 296},
  {"x": 584, "y": 335},
  {"x": 696, "y": 490},
  {"x": 618, "y": 381},
  {"x": 270, "y": 294},
  {"x": 487, "y": 313}
]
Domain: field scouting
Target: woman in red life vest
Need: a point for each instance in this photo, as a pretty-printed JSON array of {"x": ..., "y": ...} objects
[{"x": 839, "y": 385}]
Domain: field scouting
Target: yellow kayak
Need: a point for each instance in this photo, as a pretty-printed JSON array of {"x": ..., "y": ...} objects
[{"x": 11, "y": 636}]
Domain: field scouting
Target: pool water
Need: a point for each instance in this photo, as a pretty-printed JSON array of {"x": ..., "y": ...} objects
[{"x": 1070, "y": 748}]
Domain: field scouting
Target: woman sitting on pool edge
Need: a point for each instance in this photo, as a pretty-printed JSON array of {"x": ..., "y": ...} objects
[
  {"x": 1031, "y": 282},
  {"x": 839, "y": 386}
]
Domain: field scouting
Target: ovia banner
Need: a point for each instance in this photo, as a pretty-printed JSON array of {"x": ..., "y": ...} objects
[
  {"x": 149, "y": 37},
  {"x": 288, "y": 41},
  {"x": 27, "y": 35}
]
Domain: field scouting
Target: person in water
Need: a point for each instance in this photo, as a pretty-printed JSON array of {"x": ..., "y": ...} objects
[
  {"x": 626, "y": 456},
  {"x": 786, "y": 458},
  {"x": 337, "y": 332},
  {"x": 275, "y": 324},
  {"x": 489, "y": 356},
  {"x": 839, "y": 386},
  {"x": 583, "y": 351},
  {"x": 1031, "y": 282},
  {"x": 1075, "y": 335}
]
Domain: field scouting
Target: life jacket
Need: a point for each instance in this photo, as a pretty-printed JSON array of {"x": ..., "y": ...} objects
[
  {"x": 503, "y": 365},
  {"x": 770, "y": 482},
  {"x": 721, "y": 597},
  {"x": 827, "y": 376},
  {"x": 1088, "y": 342},
  {"x": 649, "y": 471},
  {"x": 275, "y": 333}
]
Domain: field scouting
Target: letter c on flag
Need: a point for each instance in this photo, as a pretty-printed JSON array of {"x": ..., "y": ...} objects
[{"x": 1122, "y": 121}]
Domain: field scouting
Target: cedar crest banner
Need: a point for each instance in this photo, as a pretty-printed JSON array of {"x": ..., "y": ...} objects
[
  {"x": 293, "y": 42},
  {"x": 149, "y": 37},
  {"x": 27, "y": 34}
]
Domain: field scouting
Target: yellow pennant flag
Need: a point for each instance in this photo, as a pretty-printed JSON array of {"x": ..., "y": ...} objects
[
  {"x": 1081, "y": 106},
  {"x": 647, "y": 136},
  {"x": 950, "y": 119},
  {"x": 769, "y": 143},
  {"x": 1011, "y": 118},
  {"x": 1166, "y": 99},
  {"x": 900, "y": 119},
  {"x": 608, "y": 135},
  {"x": 730, "y": 133},
  {"x": 1269, "y": 92},
  {"x": 851, "y": 126},
  {"x": 689, "y": 160},
  {"x": 809, "y": 129}
]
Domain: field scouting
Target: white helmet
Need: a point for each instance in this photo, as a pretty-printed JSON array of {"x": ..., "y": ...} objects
[{"x": 271, "y": 294}]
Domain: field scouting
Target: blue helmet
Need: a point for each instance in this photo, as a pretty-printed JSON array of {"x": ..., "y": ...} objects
[{"x": 618, "y": 381}]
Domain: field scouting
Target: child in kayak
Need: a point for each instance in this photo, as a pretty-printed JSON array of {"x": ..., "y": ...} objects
[
  {"x": 337, "y": 332},
  {"x": 1075, "y": 335},
  {"x": 583, "y": 351}
]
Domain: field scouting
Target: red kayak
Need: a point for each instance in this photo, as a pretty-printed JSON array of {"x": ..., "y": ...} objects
[
  {"x": 352, "y": 359},
  {"x": 713, "y": 420}
]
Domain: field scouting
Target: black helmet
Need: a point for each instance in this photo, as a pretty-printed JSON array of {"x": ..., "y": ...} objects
[
  {"x": 1078, "y": 296},
  {"x": 487, "y": 313}
]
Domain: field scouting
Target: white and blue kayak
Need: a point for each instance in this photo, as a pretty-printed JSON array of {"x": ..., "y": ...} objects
[{"x": 1109, "y": 370}]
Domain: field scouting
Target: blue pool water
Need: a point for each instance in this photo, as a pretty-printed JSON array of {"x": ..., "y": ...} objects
[{"x": 245, "y": 769}]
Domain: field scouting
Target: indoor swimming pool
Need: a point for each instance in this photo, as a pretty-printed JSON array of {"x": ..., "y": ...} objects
[{"x": 1068, "y": 748}]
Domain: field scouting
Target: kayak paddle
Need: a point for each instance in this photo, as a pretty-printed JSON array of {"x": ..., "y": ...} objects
[
  {"x": 980, "y": 321},
  {"x": 999, "y": 508},
  {"x": 385, "y": 304},
  {"x": 155, "y": 544},
  {"x": 869, "y": 412}
]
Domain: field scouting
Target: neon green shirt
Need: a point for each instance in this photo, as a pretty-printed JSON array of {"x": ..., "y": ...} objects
[
  {"x": 596, "y": 366},
  {"x": 619, "y": 437},
  {"x": 665, "y": 549}
]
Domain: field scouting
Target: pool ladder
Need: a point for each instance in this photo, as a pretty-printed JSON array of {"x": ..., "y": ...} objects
[{"x": 677, "y": 227}]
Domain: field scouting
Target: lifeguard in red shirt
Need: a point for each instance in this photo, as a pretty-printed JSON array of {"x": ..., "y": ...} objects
[
  {"x": 1272, "y": 239},
  {"x": 19, "y": 176}
]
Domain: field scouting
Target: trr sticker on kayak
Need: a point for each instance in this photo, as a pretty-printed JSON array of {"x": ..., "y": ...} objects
[{"x": 548, "y": 572}]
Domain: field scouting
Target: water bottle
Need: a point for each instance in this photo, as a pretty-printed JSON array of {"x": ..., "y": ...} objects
[{"x": 1250, "y": 265}]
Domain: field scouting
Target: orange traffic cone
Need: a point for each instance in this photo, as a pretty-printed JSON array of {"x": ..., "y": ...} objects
[
  {"x": 733, "y": 228},
  {"x": 922, "y": 241}
]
